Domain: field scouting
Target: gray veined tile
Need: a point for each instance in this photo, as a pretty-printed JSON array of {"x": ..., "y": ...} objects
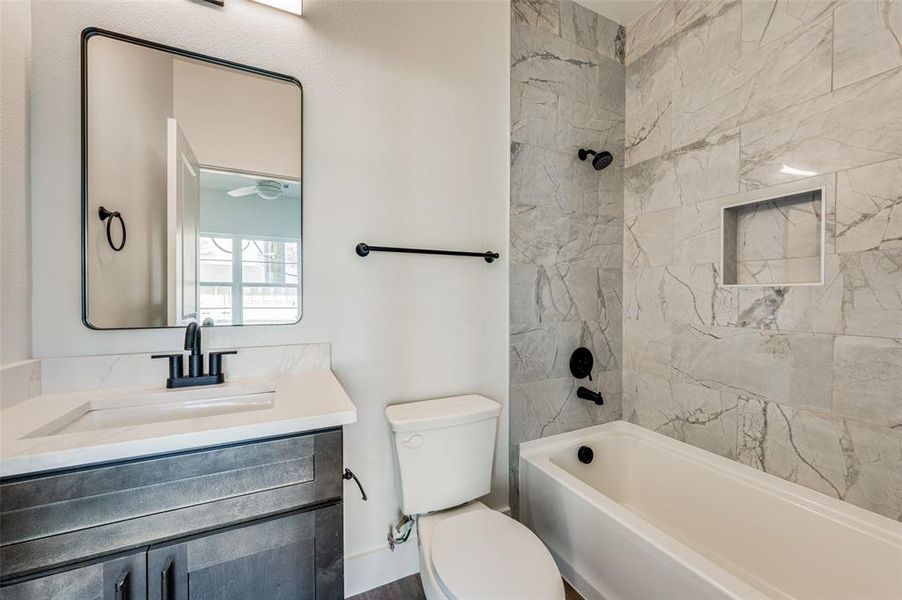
[
  {"x": 786, "y": 229},
  {"x": 611, "y": 39},
  {"x": 552, "y": 179},
  {"x": 650, "y": 29},
  {"x": 525, "y": 301},
  {"x": 757, "y": 84},
  {"x": 592, "y": 31},
  {"x": 551, "y": 236},
  {"x": 595, "y": 292},
  {"x": 850, "y": 127},
  {"x": 647, "y": 348},
  {"x": 650, "y": 83},
  {"x": 768, "y": 21},
  {"x": 872, "y": 293},
  {"x": 696, "y": 233},
  {"x": 688, "y": 13},
  {"x": 692, "y": 413},
  {"x": 700, "y": 171},
  {"x": 541, "y": 14},
  {"x": 643, "y": 293},
  {"x": 814, "y": 308},
  {"x": 543, "y": 351},
  {"x": 869, "y": 208},
  {"x": 648, "y": 239},
  {"x": 582, "y": 125},
  {"x": 679, "y": 294},
  {"x": 650, "y": 185},
  {"x": 868, "y": 380},
  {"x": 544, "y": 408},
  {"x": 540, "y": 177},
  {"x": 783, "y": 367},
  {"x": 533, "y": 115},
  {"x": 707, "y": 38},
  {"x": 868, "y": 39},
  {"x": 605, "y": 340},
  {"x": 552, "y": 63},
  {"x": 692, "y": 294},
  {"x": 843, "y": 458}
]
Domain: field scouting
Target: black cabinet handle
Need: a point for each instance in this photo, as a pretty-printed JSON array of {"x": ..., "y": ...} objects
[
  {"x": 166, "y": 582},
  {"x": 120, "y": 589}
]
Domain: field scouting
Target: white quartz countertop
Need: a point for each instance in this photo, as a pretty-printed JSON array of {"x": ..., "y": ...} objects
[{"x": 55, "y": 431}]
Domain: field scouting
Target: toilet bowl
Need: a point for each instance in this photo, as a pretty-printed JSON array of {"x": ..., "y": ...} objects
[
  {"x": 476, "y": 553},
  {"x": 444, "y": 450}
]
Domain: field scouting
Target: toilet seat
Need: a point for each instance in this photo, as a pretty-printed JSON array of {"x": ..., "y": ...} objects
[{"x": 482, "y": 554}]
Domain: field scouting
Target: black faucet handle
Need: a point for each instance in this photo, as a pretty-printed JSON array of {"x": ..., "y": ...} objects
[
  {"x": 216, "y": 361},
  {"x": 176, "y": 369}
]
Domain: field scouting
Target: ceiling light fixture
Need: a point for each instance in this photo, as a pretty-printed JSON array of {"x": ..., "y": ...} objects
[
  {"x": 293, "y": 6},
  {"x": 793, "y": 171}
]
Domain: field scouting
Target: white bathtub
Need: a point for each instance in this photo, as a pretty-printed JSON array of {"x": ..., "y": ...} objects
[{"x": 652, "y": 517}]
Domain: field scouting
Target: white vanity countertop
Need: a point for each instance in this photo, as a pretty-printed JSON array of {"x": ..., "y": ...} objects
[{"x": 292, "y": 403}]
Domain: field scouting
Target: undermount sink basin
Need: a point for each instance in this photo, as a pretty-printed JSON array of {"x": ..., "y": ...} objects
[{"x": 157, "y": 407}]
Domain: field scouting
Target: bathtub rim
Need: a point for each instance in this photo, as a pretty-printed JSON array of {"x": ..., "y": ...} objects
[{"x": 538, "y": 454}]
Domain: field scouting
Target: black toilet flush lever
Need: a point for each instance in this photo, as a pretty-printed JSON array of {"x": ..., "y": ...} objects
[{"x": 349, "y": 474}]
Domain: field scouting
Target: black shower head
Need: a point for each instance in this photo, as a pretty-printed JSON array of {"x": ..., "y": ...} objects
[{"x": 600, "y": 160}]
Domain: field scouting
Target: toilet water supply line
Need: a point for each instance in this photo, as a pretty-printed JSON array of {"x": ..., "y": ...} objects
[{"x": 400, "y": 533}]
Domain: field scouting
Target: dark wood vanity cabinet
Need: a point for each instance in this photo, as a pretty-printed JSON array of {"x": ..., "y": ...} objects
[
  {"x": 252, "y": 520},
  {"x": 121, "y": 578}
]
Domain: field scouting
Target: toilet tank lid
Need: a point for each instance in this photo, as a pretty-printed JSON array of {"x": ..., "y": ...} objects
[{"x": 441, "y": 412}]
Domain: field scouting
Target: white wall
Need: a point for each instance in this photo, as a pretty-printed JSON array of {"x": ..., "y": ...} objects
[
  {"x": 15, "y": 258},
  {"x": 405, "y": 142}
]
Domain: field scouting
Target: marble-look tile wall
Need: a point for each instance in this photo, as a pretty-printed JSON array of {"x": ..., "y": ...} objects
[
  {"x": 567, "y": 93},
  {"x": 802, "y": 382}
]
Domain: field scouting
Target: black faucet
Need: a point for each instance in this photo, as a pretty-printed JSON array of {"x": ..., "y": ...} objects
[
  {"x": 196, "y": 374},
  {"x": 587, "y": 394}
]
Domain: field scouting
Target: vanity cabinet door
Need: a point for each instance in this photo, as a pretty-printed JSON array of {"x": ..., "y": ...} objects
[
  {"x": 114, "y": 579},
  {"x": 292, "y": 557}
]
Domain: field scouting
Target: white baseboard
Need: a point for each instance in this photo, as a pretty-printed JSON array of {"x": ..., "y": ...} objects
[{"x": 374, "y": 568}]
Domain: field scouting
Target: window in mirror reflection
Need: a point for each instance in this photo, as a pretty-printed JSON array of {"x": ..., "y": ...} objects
[{"x": 248, "y": 249}]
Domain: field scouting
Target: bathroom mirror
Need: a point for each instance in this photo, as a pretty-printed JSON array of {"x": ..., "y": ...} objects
[{"x": 191, "y": 188}]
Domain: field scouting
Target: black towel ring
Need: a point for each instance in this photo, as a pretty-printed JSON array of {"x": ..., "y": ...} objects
[{"x": 108, "y": 216}]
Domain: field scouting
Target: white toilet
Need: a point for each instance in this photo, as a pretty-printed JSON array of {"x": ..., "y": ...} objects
[{"x": 468, "y": 551}]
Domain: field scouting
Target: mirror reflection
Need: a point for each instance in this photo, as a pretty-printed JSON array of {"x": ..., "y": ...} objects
[{"x": 192, "y": 189}]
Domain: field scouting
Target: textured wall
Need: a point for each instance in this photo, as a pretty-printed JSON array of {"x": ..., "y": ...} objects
[
  {"x": 15, "y": 238},
  {"x": 567, "y": 93},
  {"x": 802, "y": 382}
]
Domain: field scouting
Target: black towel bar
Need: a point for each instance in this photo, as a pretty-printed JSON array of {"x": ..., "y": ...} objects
[{"x": 364, "y": 249}]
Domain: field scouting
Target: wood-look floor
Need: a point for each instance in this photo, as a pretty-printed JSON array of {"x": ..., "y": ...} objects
[{"x": 410, "y": 588}]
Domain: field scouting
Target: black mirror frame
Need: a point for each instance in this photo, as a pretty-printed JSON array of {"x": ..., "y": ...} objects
[{"x": 86, "y": 35}]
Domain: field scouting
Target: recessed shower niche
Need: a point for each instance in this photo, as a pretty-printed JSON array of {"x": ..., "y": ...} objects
[{"x": 775, "y": 239}]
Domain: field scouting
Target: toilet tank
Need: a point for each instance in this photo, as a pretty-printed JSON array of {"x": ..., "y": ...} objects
[{"x": 444, "y": 449}]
